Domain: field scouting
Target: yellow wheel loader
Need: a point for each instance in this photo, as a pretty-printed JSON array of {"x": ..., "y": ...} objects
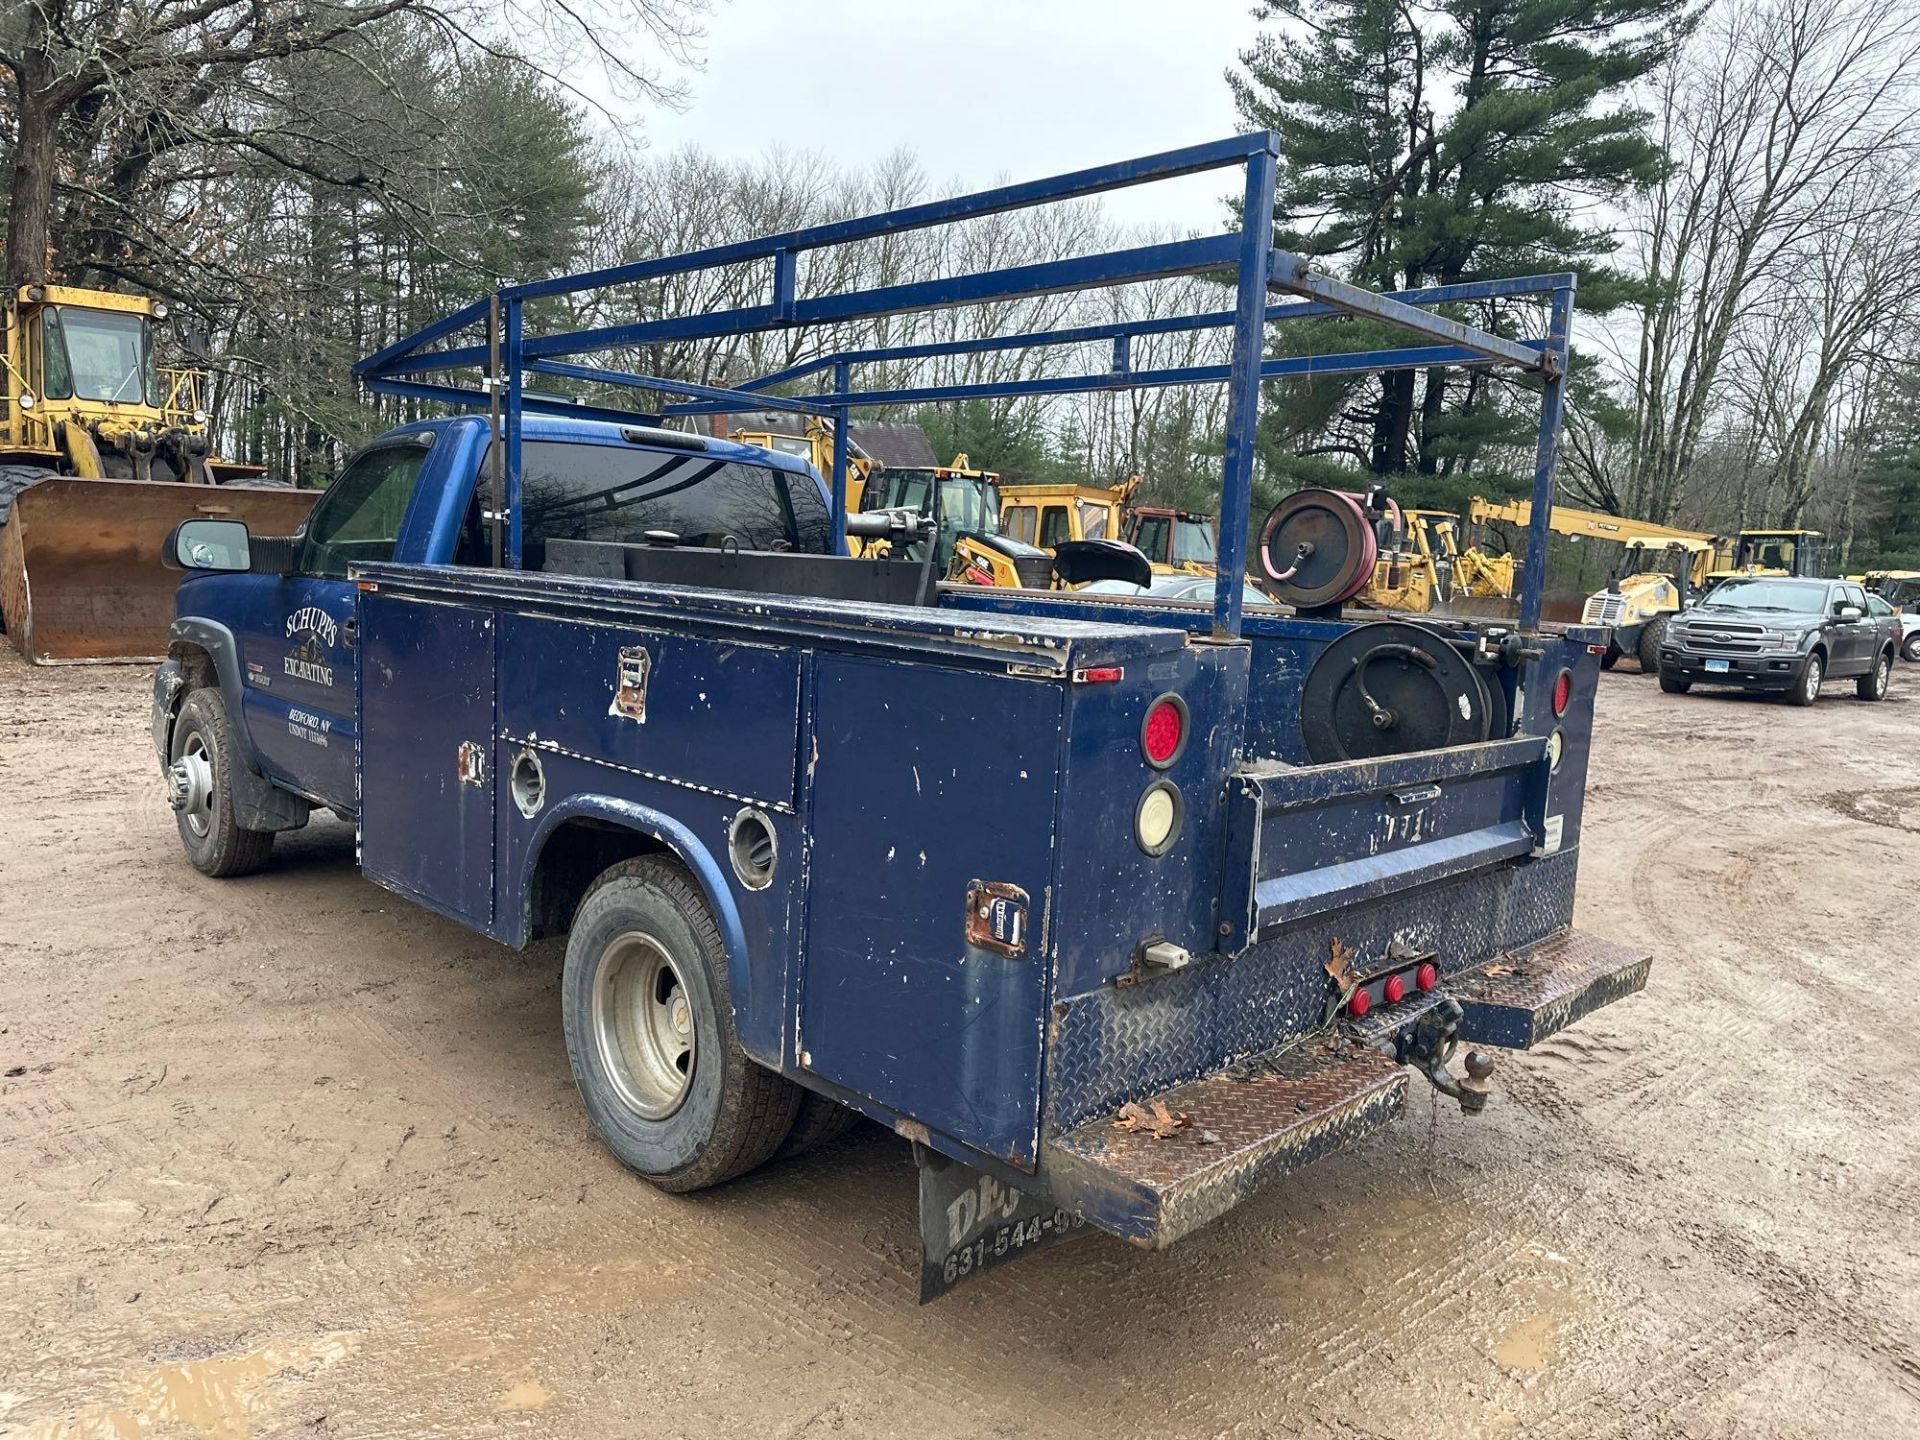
[
  {"x": 970, "y": 547},
  {"x": 102, "y": 453}
]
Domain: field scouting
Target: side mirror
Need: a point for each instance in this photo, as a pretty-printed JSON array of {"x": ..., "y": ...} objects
[
  {"x": 220, "y": 545},
  {"x": 1849, "y": 612}
]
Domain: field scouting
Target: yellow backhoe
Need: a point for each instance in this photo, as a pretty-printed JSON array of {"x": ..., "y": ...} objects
[
  {"x": 1661, "y": 568},
  {"x": 102, "y": 453},
  {"x": 1175, "y": 542},
  {"x": 814, "y": 444}
]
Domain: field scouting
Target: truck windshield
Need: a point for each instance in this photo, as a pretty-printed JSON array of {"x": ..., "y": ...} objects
[
  {"x": 99, "y": 355},
  {"x": 1193, "y": 543},
  {"x": 599, "y": 492},
  {"x": 1766, "y": 595}
]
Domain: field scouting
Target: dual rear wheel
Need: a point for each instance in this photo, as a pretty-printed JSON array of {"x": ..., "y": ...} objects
[{"x": 650, "y": 1035}]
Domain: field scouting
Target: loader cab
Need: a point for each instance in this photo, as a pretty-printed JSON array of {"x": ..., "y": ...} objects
[
  {"x": 962, "y": 501},
  {"x": 1797, "y": 553},
  {"x": 1173, "y": 540}
]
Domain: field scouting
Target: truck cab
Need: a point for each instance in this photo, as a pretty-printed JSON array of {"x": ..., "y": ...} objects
[{"x": 287, "y": 633}]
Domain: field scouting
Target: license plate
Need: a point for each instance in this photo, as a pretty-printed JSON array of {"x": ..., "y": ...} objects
[{"x": 1718, "y": 667}]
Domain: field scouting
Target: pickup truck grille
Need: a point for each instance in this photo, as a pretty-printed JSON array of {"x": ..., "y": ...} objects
[
  {"x": 1725, "y": 637},
  {"x": 1602, "y": 609}
]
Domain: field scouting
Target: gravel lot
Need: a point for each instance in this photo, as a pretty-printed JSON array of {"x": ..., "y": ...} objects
[{"x": 289, "y": 1156}]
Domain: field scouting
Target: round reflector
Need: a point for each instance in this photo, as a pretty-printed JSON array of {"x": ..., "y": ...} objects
[
  {"x": 1394, "y": 990},
  {"x": 1562, "y": 693},
  {"x": 1163, "y": 734},
  {"x": 1359, "y": 1004},
  {"x": 1427, "y": 976}
]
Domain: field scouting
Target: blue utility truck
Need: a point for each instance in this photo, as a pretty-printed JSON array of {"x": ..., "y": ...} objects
[{"x": 1117, "y": 910}]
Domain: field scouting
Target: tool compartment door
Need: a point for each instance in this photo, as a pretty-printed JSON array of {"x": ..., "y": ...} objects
[
  {"x": 426, "y": 731},
  {"x": 932, "y": 785}
]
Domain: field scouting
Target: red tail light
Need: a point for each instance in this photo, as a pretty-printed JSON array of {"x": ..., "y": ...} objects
[
  {"x": 1394, "y": 990},
  {"x": 1562, "y": 693},
  {"x": 1359, "y": 1004},
  {"x": 1163, "y": 733},
  {"x": 1427, "y": 976}
]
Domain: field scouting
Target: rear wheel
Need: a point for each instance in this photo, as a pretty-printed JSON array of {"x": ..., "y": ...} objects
[
  {"x": 1873, "y": 684},
  {"x": 1806, "y": 689},
  {"x": 1912, "y": 650},
  {"x": 650, "y": 1034},
  {"x": 200, "y": 789},
  {"x": 1674, "y": 685},
  {"x": 818, "y": 1121},
  {"x": 1612, "y": 656},
  {"x": 1651, "y": 635}
]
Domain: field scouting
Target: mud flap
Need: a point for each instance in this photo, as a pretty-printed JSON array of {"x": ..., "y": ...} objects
[
  {"x": 1518, "y": 999},
  {"x": 971, "y": 1222}
]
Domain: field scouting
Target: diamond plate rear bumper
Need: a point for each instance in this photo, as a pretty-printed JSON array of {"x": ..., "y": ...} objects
[
  {"x": 1243, "y": 1128},
  {"x": 1249, "y": 1124},
  {"x": 1519, "y": 999}
]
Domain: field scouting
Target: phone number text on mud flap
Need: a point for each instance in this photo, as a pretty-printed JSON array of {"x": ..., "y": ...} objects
[{"x": 1005, "y": 1240}]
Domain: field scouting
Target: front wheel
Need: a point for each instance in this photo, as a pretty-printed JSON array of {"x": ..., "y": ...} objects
[
  {"x": 1806, "y": 689},
  {"x": 1873, "y": 684},
  {"x": 200, "y": 789},
  {"x": 649, "y": 1025},
  {"x": 1674, "y": 685},
  {"x": 1651, "y": 635},
  {"x": 1912, "y": 650}
]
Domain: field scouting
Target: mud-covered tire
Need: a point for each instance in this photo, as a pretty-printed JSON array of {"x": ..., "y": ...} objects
[
  {"x": 645, "y": 922},
  {"x": 216, "y": 843},
  {"x": 818, "y": 1121},
  {"x": 1674, "y": 685},
  {"x": 1873, "y": 684},
  {"x": 1806, "y": 685},
  {"x": 14, "y": 479},
  {"x": 1651, "y": 634}
]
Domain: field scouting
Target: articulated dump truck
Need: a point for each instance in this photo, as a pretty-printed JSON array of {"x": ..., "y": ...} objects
[{"x": 102, "y": 453}]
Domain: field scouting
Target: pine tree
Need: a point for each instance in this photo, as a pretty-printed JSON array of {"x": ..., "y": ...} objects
[{"x": 1431, "y": 147}]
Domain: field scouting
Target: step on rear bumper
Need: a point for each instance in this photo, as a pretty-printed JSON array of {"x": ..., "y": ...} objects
[{"x": 1226, "y": 1135}]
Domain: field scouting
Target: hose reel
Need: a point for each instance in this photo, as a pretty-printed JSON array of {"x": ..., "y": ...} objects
[
  {"x": 1317, "y": 549},
  {"x": 1387, "y": 688}
]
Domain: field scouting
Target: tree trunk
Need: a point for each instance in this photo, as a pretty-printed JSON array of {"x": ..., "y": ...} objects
[{"x": 30, "y": 199}]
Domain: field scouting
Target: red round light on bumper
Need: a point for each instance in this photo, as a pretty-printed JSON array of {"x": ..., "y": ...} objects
[
  {"x": 1163, "y": 734},
  {"x": 1427, "y": 976},
  {"x": 1359, "y": 1004},
  {"x": 1394, "y": 990},
  {"x": 1562, "y": 693}
]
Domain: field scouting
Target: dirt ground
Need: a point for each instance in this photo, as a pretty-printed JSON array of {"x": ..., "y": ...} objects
[{"x": 289, "y": 1156}]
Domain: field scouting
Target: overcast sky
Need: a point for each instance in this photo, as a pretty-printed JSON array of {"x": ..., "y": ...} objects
[{"x": 981, "y": 90}]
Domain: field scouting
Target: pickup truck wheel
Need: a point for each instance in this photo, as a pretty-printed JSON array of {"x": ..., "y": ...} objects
[
  {"x": 1873, "y": 684},
  {"x": 200, "y": 789},
  {"x": 1651, "y": 635},
  {"x": 1674, "y": 685},
  {"x": 1912, "y": 651},
  {"x": 1612, "y": 656},
  {"x": 1806, "y": 688},
  {"x": 650, "y": 1034}
]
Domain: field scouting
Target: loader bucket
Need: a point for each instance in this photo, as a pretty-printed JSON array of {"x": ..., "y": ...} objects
[{"x": 80, "y": 571}]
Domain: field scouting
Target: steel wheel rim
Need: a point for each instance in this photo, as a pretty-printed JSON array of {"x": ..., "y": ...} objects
[
  {"x": 1881, "y": 672},
  {"x": 198, "y": 811},
  {"x": 1813, "y": 678},
  {"x": 643, "y": 1025}
]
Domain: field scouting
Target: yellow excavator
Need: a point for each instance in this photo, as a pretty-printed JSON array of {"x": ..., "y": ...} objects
[
  {"x": 814, "y": 444},
  {"x": 102, "y": 453}
]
